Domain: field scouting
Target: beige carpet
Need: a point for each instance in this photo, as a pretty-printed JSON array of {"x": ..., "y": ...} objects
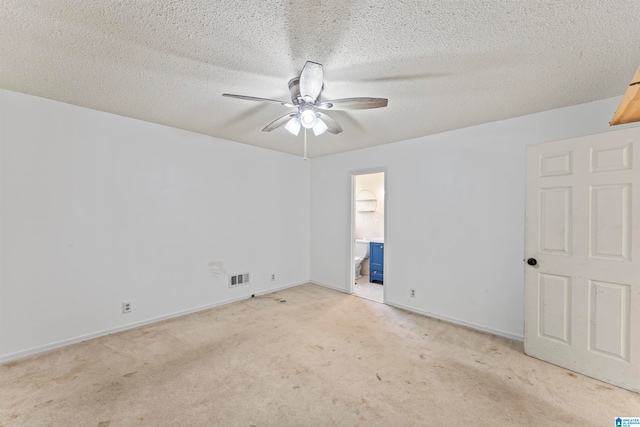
[{"x": 307, "y": 356}]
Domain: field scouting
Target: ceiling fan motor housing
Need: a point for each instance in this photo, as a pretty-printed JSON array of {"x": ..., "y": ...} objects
[{"x": 294, "y": 90}]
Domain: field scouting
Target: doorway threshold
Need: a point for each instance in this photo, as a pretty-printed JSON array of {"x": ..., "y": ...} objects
[{"x": 371, "y": 291}]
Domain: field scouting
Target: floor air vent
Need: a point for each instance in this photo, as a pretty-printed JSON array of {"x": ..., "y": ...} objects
[{"x": 239, "y": 280}]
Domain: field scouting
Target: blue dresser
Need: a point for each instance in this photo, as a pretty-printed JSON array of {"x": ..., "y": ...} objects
[{"x": 376, "y": 262}]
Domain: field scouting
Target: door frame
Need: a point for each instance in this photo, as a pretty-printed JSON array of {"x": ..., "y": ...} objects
[{"x": 352, "y": 235}]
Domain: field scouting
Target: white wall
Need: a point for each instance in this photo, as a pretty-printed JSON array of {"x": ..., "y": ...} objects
[
  {"x": 97, "y": 209},
  {"x": 455, "y": 215}
]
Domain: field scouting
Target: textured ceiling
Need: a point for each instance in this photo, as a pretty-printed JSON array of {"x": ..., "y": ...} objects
[{"x": 443, "y": 65}]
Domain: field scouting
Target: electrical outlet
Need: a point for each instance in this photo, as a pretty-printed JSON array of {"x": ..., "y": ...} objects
[
  {"x": 273, "y": 277},
  {"x": 412, "y": 293},
  {"x": 126, "y": 307}
]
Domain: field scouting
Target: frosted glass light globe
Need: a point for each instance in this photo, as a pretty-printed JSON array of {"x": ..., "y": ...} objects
[
  {"x": 319, "y": 127},
  {"x": 293, "y": 126},
  {"x": 308, "y": 119}
]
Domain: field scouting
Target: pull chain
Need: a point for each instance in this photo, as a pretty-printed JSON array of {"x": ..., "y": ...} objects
[{"x": 305, "y": 144}]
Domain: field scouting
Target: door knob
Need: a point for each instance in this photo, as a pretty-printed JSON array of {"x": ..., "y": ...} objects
[{"x": 532, "y": 261}]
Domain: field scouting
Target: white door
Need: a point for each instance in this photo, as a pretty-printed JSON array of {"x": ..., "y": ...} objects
[{"x": 582, "y": 296}]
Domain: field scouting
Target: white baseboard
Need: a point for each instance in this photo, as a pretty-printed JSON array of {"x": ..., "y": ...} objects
[
  {"x": 52, "y": 346},
  {"x": 469, "y": 325},
  {"x": 55, "y": 345},
  {"x": 335, "y": 288}
]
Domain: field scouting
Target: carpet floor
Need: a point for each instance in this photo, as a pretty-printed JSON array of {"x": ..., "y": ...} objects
[{"x": 305, "y": 356}]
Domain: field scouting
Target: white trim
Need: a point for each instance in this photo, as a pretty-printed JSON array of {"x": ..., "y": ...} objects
[
  {"x": 353, "y": 174},
  {"x": 48, "y": 347},
  {"x": 352, "y": 229},
  {"x": 455, "y": 321},
  {"x": 335, "y": 288}
]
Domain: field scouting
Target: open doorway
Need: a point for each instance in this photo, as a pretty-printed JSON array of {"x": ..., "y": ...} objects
[{"x": 368, "y": 235}]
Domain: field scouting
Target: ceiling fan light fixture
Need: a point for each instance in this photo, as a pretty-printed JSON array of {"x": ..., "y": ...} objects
[
  {"x": 308, "y": 118},
  {"x": 306, "y": 97},
  {"x": 293, "y": 126},
  {"x": 320, "y": 127}
]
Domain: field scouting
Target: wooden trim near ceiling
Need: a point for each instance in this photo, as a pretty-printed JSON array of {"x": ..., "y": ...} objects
[{"x": 629, "y": 109}]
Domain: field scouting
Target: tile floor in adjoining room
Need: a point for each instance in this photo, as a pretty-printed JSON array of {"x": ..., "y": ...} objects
[{"x": 370, "y": 291}]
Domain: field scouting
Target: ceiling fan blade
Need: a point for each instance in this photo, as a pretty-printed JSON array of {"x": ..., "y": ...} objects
[
  {"x": 332, "y": 125},
  {"x": 253, "y": 98},
  {"x": 311, "y": 81},
  {"x": 354, "y": 104},
  {"x": 280, "y": 121}
]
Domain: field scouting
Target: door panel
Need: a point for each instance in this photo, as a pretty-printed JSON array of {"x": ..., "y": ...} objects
[
  {"x": 609, "y": 313},
  {"x": 610, "y": 221},
  {"x": 582, "y": 298},
  {"x": 555, "y": 307},
  {"x": 555, "y": 220}
]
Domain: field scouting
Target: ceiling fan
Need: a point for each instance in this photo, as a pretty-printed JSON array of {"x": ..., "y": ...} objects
[{"x": 306, "y": 91}]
